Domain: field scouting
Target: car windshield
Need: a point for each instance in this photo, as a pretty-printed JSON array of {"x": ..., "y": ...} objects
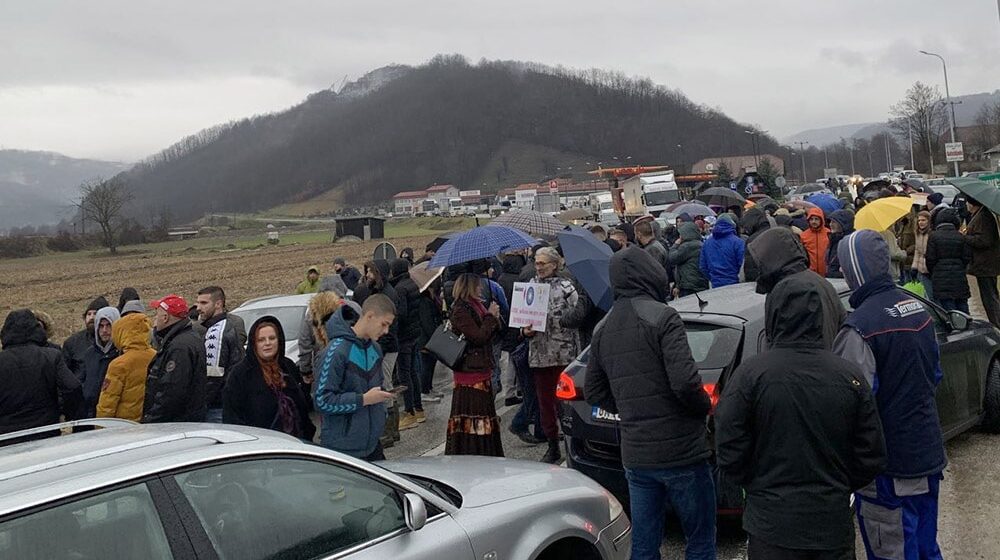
[
  {"x": 659, "y": 198},
  {"x": 290, "y": 318}
]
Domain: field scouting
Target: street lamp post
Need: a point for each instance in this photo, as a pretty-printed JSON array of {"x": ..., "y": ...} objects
[
  {"x": 947, "y": 94},
  {"x": 802, "y": 152},
  {"x": 851, "y": 151}
]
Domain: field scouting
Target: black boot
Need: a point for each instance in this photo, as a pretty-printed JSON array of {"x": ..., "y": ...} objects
[{"x": 553, "y": 455}]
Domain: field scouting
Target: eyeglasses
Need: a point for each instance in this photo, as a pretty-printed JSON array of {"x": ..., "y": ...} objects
[{"x": 543, "y": 263}]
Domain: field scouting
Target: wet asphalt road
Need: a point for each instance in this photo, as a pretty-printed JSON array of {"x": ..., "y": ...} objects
[{"x": 969, "y": 521}]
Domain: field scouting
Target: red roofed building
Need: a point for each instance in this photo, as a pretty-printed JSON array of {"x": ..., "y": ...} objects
[
  {"x": 408, "y": 202},
  {"x": 442, "y": 193}
]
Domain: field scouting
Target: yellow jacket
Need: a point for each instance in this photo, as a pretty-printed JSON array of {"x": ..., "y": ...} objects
[{"x": 124, "y": 386}]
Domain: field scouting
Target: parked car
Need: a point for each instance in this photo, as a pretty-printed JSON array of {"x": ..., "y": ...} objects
[
  {"x": 725, "y": 326},
  {"x": 210, "y": 491}
]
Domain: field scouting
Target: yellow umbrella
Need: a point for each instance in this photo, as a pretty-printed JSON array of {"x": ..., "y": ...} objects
[{"x": 880, "y": 214}]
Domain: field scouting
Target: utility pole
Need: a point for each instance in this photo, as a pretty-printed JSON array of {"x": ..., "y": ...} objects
[
  {"x": 826, "y": 157},
  {"x": 947, "y": 94},
  {"x": 753, "y": 143},
  {"x": 853, "y": 141},
  {"x": 802, "y": 152}
]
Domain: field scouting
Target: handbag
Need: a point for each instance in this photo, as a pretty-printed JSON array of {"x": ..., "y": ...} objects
[{"x": 446, "y": 346}]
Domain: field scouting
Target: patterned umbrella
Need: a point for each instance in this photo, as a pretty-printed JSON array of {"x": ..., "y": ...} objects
[
  {"x": 535, "y": 223},
  {"x": 481, "y": 243}
]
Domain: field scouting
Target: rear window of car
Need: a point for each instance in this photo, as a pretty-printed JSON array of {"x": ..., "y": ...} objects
[
  {"x": 712, "y": 346},
  {"x": 290, "y": 318}
]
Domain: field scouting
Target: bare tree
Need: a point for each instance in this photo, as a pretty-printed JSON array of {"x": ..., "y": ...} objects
[
  {"x": 921, "y": 113},
  {"x": 103, "y": 202},
  {"x": 987, "y": 132}
]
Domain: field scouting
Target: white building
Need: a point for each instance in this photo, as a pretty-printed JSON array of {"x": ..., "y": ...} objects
[{"x": 408, "y": 203}]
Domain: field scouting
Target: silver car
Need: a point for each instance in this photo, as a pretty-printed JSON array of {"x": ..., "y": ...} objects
[{"x": 211, "y": 491}]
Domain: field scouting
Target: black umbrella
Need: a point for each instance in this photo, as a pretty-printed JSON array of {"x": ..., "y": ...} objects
[
  {"x": 437, "y": 243},
  {"x": 720, "y": 192}
]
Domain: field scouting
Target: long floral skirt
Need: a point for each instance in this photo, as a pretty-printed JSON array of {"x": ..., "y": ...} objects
[{"x": 474, "y": 427}]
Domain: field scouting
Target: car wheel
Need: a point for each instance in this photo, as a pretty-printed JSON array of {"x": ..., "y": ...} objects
[{"x": 991, "y": 401}]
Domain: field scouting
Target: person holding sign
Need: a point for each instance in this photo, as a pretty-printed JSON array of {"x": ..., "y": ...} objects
[{"x": 551, "y": 347}]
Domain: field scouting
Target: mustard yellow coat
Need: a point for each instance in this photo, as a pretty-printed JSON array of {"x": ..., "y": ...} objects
[{"x": 125, "y": 384}]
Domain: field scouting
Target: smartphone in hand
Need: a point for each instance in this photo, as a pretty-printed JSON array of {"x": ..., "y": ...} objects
[{"x": 398, "y": 389}]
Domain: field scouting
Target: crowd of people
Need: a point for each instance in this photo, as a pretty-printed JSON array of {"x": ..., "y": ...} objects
[{"x": 837, "y": 403}]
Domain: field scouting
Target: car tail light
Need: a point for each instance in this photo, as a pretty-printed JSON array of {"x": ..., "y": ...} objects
[
  {"x": 713, "y": 395},
  {"x": 566, "y": 389}
]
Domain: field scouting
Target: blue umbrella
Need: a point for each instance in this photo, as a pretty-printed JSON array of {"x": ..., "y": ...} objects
[
  {"x": 590, "y": 261},
  {"x": 827, "y": 202},
  {"x": 481, "y": 243}
]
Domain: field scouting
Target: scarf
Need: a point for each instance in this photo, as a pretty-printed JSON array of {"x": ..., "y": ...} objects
[{"x": 286, "y": 420}]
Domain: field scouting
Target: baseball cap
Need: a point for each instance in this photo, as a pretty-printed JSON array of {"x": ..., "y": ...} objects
[{"x": 172, "y": 304}]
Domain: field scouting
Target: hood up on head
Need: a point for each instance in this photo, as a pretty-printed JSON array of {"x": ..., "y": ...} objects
[
  {"x": 382, "y": 271},
  {"x": 754, "y": 220},
  {"x": 864, "y": 257},
  {"x": 251, "y": 353},
  {"x": 845, "y": 218},
  {"x": 339, "y": 324},
  {"x": 689, "y": 232},
  {"x": 22, "y": 327},
  {"x": 512, "y": 264},
  {"x": 724, "y": 228},
  {"x": 684, "y": 217},
  {"x": 635, "y": 273},
  {"x": 112, "y": 315},
  {"x": 947, "y": 216},
  {"x": 131, "y": 332},
  {"x": 333, "y": 283},
  {"x": 816, "y": 212},
  {"x": 778, "y": 253},
  {"x": 398, "y": 270},
  {"x": 793, "y": 314}
]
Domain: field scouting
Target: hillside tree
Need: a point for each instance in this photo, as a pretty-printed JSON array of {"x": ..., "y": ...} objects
[{"x": 103, "y": 203}]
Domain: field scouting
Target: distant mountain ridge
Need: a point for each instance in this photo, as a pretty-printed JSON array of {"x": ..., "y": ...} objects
[
  {"x": 40, "y": 187},
  {"x": 405, "y": 128}
]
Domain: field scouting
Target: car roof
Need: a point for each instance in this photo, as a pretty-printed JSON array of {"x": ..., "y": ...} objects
[
  {"x": 44, "y": 470},
  {"x": 736, "y": 300},
  {"x": 266, "y": 302}
]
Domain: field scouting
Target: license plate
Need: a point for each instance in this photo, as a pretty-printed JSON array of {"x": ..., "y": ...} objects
[{"x": 598, "y": 413}]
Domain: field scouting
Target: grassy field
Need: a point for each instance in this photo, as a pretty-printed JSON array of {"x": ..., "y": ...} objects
[{"x": 62, "y": 284}]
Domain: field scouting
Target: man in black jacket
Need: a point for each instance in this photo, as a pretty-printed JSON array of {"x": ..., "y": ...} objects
[
  {"x": 641, "y": 368},
  {"x": 76, "y": 347},
  {"x": 408, "y": 317},
  {"x": 753, "y": 223},
  {"x": 222, "y": 347},
  {"x": 35, "y": 384},
  {"x": 175, "y": 384},
  {"x": 797, "y": 427}
]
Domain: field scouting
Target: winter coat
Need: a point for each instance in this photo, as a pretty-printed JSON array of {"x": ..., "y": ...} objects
[
  {"x": 947, "y": 257},
  {"x": 35, "y": 384},
  {"x": 981, "y": 234},
  {"x": 407, "y": 303},
  {"x": 722, "y": 255},
  {"x": 659, "y": 254},
  {"x": 479, "y": 333},
  {"x": 896, "y": 255},
  {"x": 893, "y": 338},
  {"x": 781, "y": 255},
  {"x": 351, "y": 277},
  {"x": 920, "y": 240},
  {"x": 846, "y": 220},
  {"x": 797, "y": 428},
  {"x": 908, "y": 241},
  {"x": 74, "y": 348},
  {"x": 816, "y": 242},
  {"x": 429, "y": 312},
  {"x": 584, "y": 316},
  {"x": 390, "y": 342},
  {"x": 641, "y": 368},
  {"x": 558, "y": 345},
  {"x": 347, "y": 369},
  {"x": 686, "y": 259},
  {"x": 754, "y": 223},
  {"x": 230, "y": 353},
  {"x": 175, "y": 383},
  {"x": 247, "y": 400},
  {"x": 307, "y": 286},
  {"x": 124, "y": 386},
  {"x": 95, "y": 362}
]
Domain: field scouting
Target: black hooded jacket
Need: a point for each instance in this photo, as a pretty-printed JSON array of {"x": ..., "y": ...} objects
[
  {"x": 381, "y": 285},
  {"x": 247, "y": 400},
  {"x": 781, "y": 255},
  {"x": 947, "y": 257},
  {"x": 846, "y": 220},
  {"x": 798, "y": 428},
  {"x": 175, "y": 384},
  {"x": 641, "y": 368},
  {"x": 754, "y": 223},
  {"x": 35, "y": 384},
  {"x": 76, "y": 347},
  {"x": 407, "y": 303}
]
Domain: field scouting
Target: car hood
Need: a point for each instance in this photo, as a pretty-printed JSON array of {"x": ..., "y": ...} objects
[{"x": 488, "y": 480}]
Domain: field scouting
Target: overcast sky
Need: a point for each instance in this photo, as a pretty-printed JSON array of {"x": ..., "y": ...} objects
[{"x": 121, "y": 80}]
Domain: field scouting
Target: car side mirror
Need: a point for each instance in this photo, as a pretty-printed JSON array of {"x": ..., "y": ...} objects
[
  {"x": 959, "y": 321},
  {"x": 414, "y": 511}
]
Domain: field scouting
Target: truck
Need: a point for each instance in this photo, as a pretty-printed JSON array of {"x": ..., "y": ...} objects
[
  {"x": 649, "y": 193},
  {"x": 603, "y": 206},
  {"x": 428, "y": 207},
  {"x": 454, "y": 207}
]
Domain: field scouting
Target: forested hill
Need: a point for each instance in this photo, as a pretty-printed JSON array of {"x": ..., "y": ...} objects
[{"x": 403, "y": 128}]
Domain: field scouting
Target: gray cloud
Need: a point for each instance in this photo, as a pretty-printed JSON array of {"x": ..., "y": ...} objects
[{"x": 123, "y": 79}]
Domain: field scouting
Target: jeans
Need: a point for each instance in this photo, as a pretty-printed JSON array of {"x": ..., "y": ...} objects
[
  {"x": 953, "y": 304},
  {"x": 991, "y": 299},
  {"x": 527, "y": 413},
  {"x": 214, "y": 415},
  {"x": 427, "y": 364},
  {"x": 508, "y": 375},
  {"x": 497, "y": 385},
  {"x": 925, "y": 281},
  {"x": 690, "y": 492},
  {"x": 409, "y": 374}
]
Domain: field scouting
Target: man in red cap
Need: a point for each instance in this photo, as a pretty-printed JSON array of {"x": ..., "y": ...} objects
[{"x": 175, "y": 384}]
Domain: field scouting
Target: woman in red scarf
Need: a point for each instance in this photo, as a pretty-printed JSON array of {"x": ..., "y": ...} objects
[
  {"x": 474, "y": 427},
  {"x": 265, "y": 389}
]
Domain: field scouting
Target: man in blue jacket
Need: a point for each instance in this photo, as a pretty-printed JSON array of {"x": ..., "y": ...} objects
[
  {"x": 722, "y": 253},
  {"x": 891, "y": 336},
  {"x": 349, "y": 391}
]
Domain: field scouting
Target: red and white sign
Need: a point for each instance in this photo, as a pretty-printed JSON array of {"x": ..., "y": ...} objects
[{"x": 953, "y": 152}]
